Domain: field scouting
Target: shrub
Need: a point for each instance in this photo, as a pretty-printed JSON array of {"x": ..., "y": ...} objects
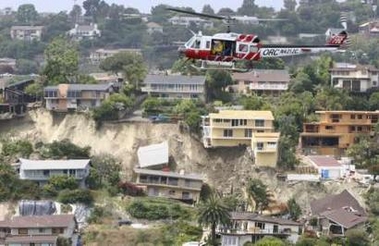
[
  {"x": 61, "y": 182},
  {"x": 156, "y": 210},
  {"x": 23, "y": 148},
  {"x": 130, "y": 189},
  {"x": 75, "y": 196},
  {"x": 64, "y": 148}
]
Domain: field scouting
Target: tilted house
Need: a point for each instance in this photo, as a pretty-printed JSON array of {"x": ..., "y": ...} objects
[{"x": 338, "y": 213}]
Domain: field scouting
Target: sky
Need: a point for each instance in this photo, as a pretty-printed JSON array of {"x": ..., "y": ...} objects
[{"x": 143, "y": 5}]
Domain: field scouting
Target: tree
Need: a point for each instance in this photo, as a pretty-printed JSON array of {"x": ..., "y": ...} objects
[
  {"x": 62, "y": 61},
  {"x": 207, "y": 9},
  {"x": 374, "y": 101},
  {"x": 270, "y": 241},
  {"x": 24, "y": 66},
  {"x": 290, "y": 5},
  {"x": 26, "y": 14},
  {"x": 105, "y": 171},
  {"x": 35, "y": 89},
  {"x": 225, "y": 12},
  {"x": 287, "y": 159},
  {"x": 75, "y": 13},
  {"x": 65, "y": 149},
  {"x": 258, "y": 192},
  {"x": 294, "y": 209},
  {"x": 217, "y": 81},
  {"x": 213, "y": 212},
  {"x": 61, "y": 182},
  {"x": 130, "y": 64},
  {"x": 365, "y": 153},
  {"x": 357, "y": 237},
  {"x": 17, "y": 148},
  {"x": 248, "y": 8}
]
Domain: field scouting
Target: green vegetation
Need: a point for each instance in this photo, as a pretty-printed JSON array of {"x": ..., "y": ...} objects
[
  {"x": 62, "y": 61},
  {"x": 294, "y": 209},
  {"x": 158, "y": 209},
  {"x": 17, "y": 148},
  {"x": 75, "y": 196},
  {"x": 64, "y": 149},
  {"x": 257, "y": 191},
  {"x": 213, "y": 212}
]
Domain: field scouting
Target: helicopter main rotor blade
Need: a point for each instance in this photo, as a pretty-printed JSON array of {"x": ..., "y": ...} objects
[{"x": 218, "y": 17}]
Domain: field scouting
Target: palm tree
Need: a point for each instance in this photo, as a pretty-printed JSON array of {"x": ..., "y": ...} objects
[{"x": 213, "y": 212}]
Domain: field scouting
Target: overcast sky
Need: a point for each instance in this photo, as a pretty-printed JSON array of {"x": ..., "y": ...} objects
[{"x": 143, "y": 5}]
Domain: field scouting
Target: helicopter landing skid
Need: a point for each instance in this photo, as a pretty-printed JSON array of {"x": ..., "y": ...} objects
[{"x": 212, "y": 65}]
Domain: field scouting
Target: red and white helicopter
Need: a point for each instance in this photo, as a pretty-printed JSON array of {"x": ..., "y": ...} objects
[{"x": 224, "y": 49}]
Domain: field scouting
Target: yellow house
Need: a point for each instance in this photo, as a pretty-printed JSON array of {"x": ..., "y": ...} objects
[
  {"x": 265, "y": 148},
  {"x": 336, "y": 131},
  {"x": 230, "y": 128}
]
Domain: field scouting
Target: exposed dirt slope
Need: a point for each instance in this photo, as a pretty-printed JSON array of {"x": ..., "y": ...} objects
[{"x": 223, "y": 168}]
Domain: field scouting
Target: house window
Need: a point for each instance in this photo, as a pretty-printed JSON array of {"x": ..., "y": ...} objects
[
  {"x": 186, "y": 195},
  {"x": 46, "y": 172},
  {"x": 360, "y": 116},
  {"x": 248, "y": 133},
  {"x": 236, "y": 122},
  {"x": 260, "y": 225},
  {"x": 228, "y": 133},
  {"x": 243, "y": 122},
  {"x": 260, "y": 131},
  {"x": 359, "y": 129},
  {"x": 352, "y": 116},
  {"x": 329, "y": 127},
  {"x": 58, "y": 231},
  {"x": 173, "y": 181},
  {"x": 217, "y": 120},
  {"x": 226, "y": 121},
  {"x": 171, "y": 193},
  {"x": 259, "y": 123},
  {"x": 374, "y": 83},
  {"x": 42, "y": 230},
  {"x": 22, "y": 231},
  {"x": 271, "y": 144},
  {"x": 260, "y": 146}
]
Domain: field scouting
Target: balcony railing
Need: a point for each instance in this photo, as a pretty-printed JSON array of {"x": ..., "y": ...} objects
[{"x": 268, "y": 87}]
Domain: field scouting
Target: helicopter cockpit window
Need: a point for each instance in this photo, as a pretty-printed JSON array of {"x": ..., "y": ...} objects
[
  {"x": 243, "y": 48},
  {"x": 196, "y": 44},
  {"x": 189, "y": 42},
  {"x": 208, "y": 44},
  {"x": 253, "y": 48}
]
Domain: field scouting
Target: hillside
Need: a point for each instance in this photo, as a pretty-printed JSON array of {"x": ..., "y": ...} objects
[{"x": 223, "y": 168}]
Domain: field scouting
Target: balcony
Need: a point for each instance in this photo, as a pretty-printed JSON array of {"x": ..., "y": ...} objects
[
  {"x": 171, "y": 90},
  {"x": 269, "y": 86}
]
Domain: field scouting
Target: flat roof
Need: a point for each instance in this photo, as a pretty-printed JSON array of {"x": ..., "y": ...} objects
[
  {"x": 243, "y": 114},
  {"x": 324, "y": 161},
  {"x": 269, "y": 75},
  {"x": 152, "y": 155},
  {"x": 174, "y": 79},
  {"x": 193, "y": 176},
  {"x": 40, "y": 239},
  {"x": 82, "y": 87},
  {"x": 347, "y": 112},
  {"x": 53, "y": 164}
]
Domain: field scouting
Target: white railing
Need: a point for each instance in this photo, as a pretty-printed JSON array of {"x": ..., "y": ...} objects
[{"x": 268, "y": 86}]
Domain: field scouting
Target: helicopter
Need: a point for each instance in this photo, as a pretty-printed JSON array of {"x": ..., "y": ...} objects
[{"x": 223, "y": 50}]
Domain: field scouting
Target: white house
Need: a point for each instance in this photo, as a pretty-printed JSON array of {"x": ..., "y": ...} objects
[
  {"x": 80, "y": 32},
  {"x": 175, "y": 86},
  {"x": 251, "y": 227},
  {"x": 41, "y": 170},
  {"x": 355, "y": 78},
  {"x": 328, "y": 167}
]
